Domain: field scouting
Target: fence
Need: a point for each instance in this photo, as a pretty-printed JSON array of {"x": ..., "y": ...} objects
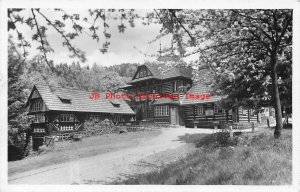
[
  {"x": 92, "y": 128},
  {"x": 237, "y": 126}
]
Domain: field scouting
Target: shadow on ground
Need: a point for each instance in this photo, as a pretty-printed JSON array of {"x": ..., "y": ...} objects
[{"x": 218, "y": 138}]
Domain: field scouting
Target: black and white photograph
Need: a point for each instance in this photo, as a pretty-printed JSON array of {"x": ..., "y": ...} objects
[{"x": 139, "y": 96}]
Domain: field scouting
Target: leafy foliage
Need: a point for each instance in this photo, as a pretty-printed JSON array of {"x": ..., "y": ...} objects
[
  {"x": 23, "y": 74},
  {"x": 249, "y": 50},
  {"x": 244, "y": 48},
  {"x": 18, "y": 120}
]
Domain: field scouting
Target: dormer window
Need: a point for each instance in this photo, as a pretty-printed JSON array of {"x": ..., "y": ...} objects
[
  {"x": 65, "y": 100},
  {"x": 68, "y": 101},
  {"x": 114, "y": 103}
]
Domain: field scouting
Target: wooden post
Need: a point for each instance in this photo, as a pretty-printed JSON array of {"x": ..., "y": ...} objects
[
  {"x": 194, "y": 109},
  {"x": 230, "y": 131},
  {"x": 248, "y": 115},
  {"x": 215, "y": 127}
]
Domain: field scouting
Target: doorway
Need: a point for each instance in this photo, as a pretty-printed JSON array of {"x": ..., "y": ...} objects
[{"x": 174, "y": 115}]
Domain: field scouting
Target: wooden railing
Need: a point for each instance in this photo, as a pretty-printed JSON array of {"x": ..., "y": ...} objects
[{"x": 237, "y": 126}]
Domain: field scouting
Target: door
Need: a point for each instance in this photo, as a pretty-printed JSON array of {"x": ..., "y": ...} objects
[{"x": 174, "y": 115}]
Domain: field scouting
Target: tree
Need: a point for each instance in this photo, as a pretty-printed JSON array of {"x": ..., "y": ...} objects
[
  {"x": 18, "y": 120},
  {"x": 245, "y": 47}
]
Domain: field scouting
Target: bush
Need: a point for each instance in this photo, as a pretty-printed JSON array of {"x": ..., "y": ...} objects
[
  {"x": 220, "y": 139},
  {"x": 14, "y": 153}
]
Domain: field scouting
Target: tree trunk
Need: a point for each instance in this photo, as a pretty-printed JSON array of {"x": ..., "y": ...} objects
[{"x": 277, "y": 104}]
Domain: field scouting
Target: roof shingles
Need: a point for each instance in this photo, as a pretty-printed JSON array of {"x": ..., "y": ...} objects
[
  {"x": 198, "y": 89},
  {"x": 161, "y": 71},
  {"x": 80, "y": 101}
]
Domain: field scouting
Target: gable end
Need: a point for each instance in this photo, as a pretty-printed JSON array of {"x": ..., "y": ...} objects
[{"x": 141, "y": 72}]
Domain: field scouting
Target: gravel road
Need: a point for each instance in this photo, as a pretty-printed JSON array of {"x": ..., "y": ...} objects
[{"x": 106, "y": 167}]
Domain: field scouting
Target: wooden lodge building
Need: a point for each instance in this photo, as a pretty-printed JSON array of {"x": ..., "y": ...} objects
[
  {"x": 61, "y": 110},
  {"x": 151, "y": 78}
]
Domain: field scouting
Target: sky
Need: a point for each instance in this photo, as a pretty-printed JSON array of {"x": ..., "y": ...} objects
[{"x": 124, "y": 47}]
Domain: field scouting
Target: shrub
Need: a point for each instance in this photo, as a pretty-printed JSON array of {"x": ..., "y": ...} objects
[{"x": 220, "y": 139}]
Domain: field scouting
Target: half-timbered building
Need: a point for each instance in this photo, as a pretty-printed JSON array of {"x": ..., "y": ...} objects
[
  {"x": 184, "y": 110},
  {"x": 152, "y": 78},
  {"x": 61, "y": 110}
]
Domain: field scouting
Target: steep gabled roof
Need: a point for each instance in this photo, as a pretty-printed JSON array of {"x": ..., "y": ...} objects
[
  {"x": 205, "y": 76},
  {"x": 80, "y": 101},
  {"x": 161, "y": 71},
  {"x": 198, "y": 89}
]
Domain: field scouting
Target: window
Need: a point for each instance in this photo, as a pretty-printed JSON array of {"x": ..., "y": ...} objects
[
  {"x": 252, "y": 112},
  {"x": 40, "y": 118},
  {"x": 218, "y": 109},
  {"x": 66, "y": 128},
  {"x": 159, "y": 89},
  {"x": 39, "y": 130},
  {"x": 143, "y": 72},
  {"x": 244, "y": 111},
  {"x": 161, "y": 111},
  {"x": 66, "y": 118},
  {"x": 37, "y": 106},
  {"x": 200, "y": 110},
  {"x": 95, "y": 118},
  {"x": 118, "y": 118},
  {"x": 154, "y": 89},
  {"x": 176, "y": 84}
]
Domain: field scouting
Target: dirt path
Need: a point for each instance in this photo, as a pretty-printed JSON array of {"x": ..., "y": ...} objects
[{"x": 106, "y": 167}]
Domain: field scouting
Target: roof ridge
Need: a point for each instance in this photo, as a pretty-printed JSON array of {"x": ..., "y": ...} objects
[{"x": 80, "y": 100}]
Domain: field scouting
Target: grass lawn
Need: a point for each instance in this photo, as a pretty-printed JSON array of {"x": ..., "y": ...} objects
[
  {"x": 246, "y": 159},
  {"x": 68, "y": 150}
]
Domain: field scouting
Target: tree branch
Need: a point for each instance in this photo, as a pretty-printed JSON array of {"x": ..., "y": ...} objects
[
  {"x": 74, "y": 23},
  {"x": 41, "y": 39},
  {"x": 67, "y": 41},
  {"x": 288, "y": 21},
  {"x": 20, "y": 37},
  {"x": 179, "y": 22},
  {"x": 259, "y": 39}
]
